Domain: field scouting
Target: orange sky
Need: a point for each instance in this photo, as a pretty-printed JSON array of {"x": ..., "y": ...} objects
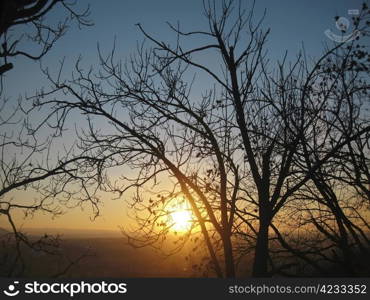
[{"x": 113, "y": 215}]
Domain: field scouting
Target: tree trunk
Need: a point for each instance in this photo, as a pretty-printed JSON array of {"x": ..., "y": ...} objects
[
  {"x": 229, "y": 258},
  {"x": 345, "y": 247},
  {"x": 261, "y": 251}
]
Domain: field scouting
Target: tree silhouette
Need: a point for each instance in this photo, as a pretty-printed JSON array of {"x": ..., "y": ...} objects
[
  {"x": 337, "y": 194},
  {"x": 30, "y": 14},
  {"x": 256, "y": 145},
  {"x": 25, "y": 150}
]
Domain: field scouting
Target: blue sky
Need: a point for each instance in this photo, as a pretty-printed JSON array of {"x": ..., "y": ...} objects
[{"x": 292, "y": 23}]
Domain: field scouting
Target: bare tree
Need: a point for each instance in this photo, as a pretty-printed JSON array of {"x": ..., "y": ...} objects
[
  {"x": 240, "y": 153},
  {"x": 33, "y": 174},
  {"x": 25, "y": 19},
  {"x": 331, "y": 206},
  {"x": 338, "y": 193}
]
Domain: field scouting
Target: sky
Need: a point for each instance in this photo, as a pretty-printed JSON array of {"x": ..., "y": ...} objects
[{"x": 293, "y": 24}]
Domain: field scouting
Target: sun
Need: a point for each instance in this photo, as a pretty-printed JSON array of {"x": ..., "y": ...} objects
[{"x": 181, "y": 219}]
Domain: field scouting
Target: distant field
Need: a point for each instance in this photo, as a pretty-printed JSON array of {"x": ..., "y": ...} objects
[
  {"x": 108, "y": 256},
  {"x": 112, "y": 257}
]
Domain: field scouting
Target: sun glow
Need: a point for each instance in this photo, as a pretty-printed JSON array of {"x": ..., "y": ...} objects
[{"x": 181, "y": 219}]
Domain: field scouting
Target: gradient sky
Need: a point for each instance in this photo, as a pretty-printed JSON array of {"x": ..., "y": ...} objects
[{"x": 292, "y": 24}]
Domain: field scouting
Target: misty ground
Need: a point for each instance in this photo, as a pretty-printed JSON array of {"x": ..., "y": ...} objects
[{"x": 107, "y": 254}]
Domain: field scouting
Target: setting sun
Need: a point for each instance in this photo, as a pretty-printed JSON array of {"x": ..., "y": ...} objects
[{"x": 181, "y": 219}]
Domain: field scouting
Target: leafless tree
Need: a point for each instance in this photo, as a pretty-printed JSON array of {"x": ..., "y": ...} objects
[
  {"x": 33, "y": 174},
  {"x": 240, "y": 153},
  {"x": 341, "y": 185},
  {"x": 331, "y": 208},
  {"x": 25, "y": 20}
]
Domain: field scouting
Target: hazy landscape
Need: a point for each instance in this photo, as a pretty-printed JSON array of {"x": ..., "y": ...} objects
[{"x": 107, "y": 254}]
